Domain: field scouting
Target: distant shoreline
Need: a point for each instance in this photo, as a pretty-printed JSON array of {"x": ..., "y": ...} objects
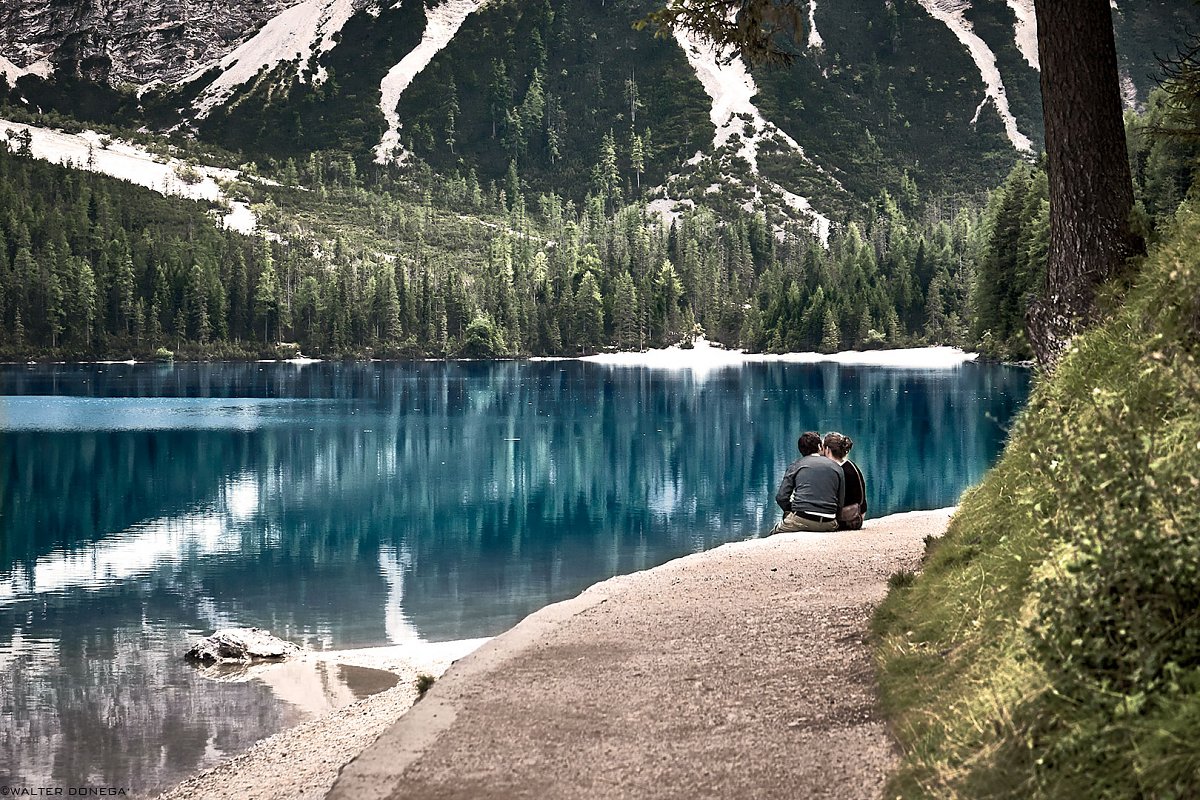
[{"x": 702, "y": 355}]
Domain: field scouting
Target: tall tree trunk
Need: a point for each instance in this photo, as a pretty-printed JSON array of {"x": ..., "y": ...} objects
[{"x": 1091, "y": 191}]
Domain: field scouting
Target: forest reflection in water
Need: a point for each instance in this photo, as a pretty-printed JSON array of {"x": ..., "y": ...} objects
[{"x": 345, "y": 505}]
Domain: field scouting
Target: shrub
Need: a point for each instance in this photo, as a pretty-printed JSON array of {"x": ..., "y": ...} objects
[
  {"x": 482, "y": 340},
  {"x": 1119, "y": 609},
  {"x": 1051, "y": 646}
]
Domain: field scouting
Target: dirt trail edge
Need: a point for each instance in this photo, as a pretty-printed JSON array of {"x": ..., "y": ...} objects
[{"x": 742, "y": 672}]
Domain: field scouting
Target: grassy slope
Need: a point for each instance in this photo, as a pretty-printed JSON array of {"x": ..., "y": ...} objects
[{"x": 1049, "y": 649}]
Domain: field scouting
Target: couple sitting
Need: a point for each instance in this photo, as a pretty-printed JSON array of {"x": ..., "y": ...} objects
[{"x": 822, "y": 490}]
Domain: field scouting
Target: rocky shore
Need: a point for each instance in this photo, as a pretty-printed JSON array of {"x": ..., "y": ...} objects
[{"x": 303, "y": 762}]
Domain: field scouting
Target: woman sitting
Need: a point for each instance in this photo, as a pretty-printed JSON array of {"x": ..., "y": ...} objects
[{"x": 850, "y": 518}]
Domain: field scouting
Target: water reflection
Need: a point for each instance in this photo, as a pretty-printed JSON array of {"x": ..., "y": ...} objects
[
  {"x": 315, "y": 687},
  {"x": 345, "y": 505}
]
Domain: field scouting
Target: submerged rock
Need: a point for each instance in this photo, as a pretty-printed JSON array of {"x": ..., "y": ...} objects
[{"x": 240, "y": 646}]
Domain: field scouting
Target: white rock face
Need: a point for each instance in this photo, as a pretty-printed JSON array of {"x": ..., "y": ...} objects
[
  {"x": 952, "y": 14},
  {"x": 296, "y": 34},
  {"x": 729, "y": 84},
  {"x": 441, "y": 23},
  {"x": 815, "y": 42},
  {"x": 12, "y": 72},
  {"x": 1129, "y": 92},
  {"x": 128, "y": 41},
  {"x": 1025, "y": 30}
]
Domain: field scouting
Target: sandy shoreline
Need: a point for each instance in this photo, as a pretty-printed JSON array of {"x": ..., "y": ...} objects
[
  {"x": 303, "y": 761},
  {"x": 702, "y": 357}
]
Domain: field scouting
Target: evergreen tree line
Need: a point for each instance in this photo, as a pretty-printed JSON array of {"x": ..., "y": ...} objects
[{"x": 91, "y": 266}]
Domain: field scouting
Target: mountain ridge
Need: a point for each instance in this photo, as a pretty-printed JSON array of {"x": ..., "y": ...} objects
[
  {"x": 562, "y": 96},
  {"x": 930, "y": 84}
]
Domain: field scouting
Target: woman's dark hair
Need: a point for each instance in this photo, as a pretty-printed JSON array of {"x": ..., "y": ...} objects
[
  {"x": 838, "y": 444},
  {"x": 809, "y": 443}
]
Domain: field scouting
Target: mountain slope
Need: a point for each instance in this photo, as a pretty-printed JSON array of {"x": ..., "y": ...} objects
[
  {"x": 128, "y": 42},
  {"x": 936, "y": 95}
]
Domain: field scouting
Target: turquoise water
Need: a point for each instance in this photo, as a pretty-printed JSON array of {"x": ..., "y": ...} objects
[{"x": 347, "y": 505}]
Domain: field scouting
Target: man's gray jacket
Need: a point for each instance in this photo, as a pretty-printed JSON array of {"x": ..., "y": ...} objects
[{"x": 812, "y": 485}]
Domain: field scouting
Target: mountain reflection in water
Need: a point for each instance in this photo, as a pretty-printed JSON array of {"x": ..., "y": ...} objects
[{"x": 348, "y": 505}]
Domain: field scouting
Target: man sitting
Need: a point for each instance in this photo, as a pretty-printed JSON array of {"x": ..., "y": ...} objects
[{"x": 812, "y": 490}]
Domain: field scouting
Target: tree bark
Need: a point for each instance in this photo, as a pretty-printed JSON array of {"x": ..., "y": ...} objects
[{"x": 1091, "y": 190}]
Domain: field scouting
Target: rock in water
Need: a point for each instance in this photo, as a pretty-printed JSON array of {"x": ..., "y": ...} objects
[{"x": 240, "y": 646}]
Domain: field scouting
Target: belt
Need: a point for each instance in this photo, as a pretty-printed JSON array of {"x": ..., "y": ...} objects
[{"x": 814, "y": 517}]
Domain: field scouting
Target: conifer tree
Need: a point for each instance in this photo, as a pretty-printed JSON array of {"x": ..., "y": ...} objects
[
  {"x": 589, "y": 313},
  {"x": 238, "y": 294},
  {"x": 197, "y": 304},
  {"x": 390, "y": 305},
  {"x": 56, "y": 312},
  {"x": 512, "y": 138},
  {"x": 24, "y": 274},
  {"x": 123, "y": 288},
  {"x": 936, "y": 327},
  {"x": 83, "y": 301},
  {"x": 633, "y": 98},
  {"x": 637, "y": 158},
  {"x": 668, "y": 290},
  {"x": 139, "y": 322},
  {"x": 533, "y": 107},
  {"x": 554, "y": 140},
  {"x": 625, "y": 313},
  {"x": 606, "y": 177},
  {"x": 451, "y": 116},
  {"x": 307, "y": 305},
  {"x": 266, "y": 295}
]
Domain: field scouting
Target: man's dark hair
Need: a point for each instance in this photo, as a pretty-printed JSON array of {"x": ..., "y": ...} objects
[{"x": 809, "y": 443}]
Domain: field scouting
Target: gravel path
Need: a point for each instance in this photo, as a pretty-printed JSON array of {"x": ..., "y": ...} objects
[{"x": 740, "y": 672}]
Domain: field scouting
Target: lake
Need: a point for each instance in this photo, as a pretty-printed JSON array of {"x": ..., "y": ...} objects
[{"x": 356, "y": 504}]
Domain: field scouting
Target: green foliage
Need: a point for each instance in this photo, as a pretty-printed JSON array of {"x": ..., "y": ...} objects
[
  {"x": 74, "y": 95},
  {"x": 1051, "y": 647},
  {"x": 891, "y": 92},
  {"x": 424, "y": 683},
  {"x": 890, "y": 97},
  {"x": 481, "y": 340},
  {"x": 1164, "y": 150},
  {"x": 568, "y": 91},
  {"x": 870, "y": 288},
  {"x": 96, "y": 266},
  {"x": 589, "y": 313},
  {"x": 1124, "y": 581},
  {"x": 755, "y": 29},
  {"x": 1013, "y": 266}
]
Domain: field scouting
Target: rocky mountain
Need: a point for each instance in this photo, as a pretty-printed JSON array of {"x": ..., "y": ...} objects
[
  {"x": 564, "y": 96},
  {"x": 128, "y": 42}
]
